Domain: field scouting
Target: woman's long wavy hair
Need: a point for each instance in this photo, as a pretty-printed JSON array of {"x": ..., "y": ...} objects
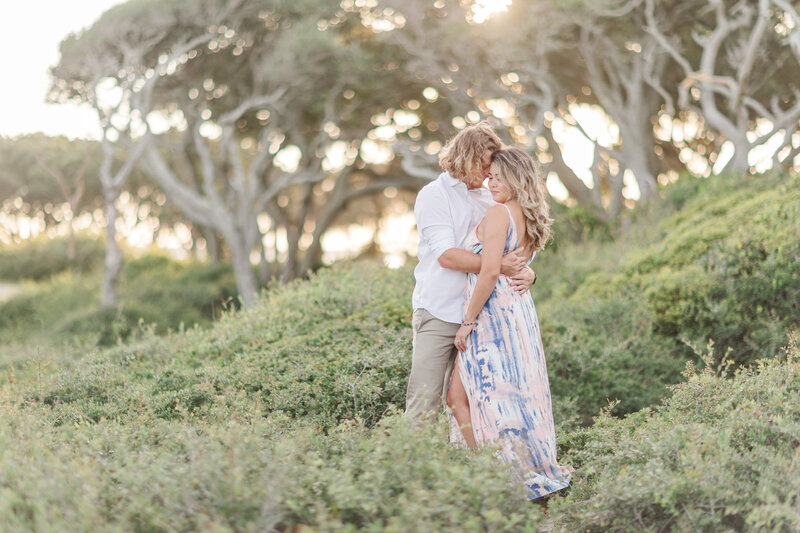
[
  {"x": 462, "y": 156},
  {"x": 521, "y": 174}
]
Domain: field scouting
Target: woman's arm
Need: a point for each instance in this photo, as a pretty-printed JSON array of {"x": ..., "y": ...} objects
[{"x": 495, "y": 230}]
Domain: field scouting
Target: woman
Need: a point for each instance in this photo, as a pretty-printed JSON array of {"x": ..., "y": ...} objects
[{"x": 499, "y": 390}]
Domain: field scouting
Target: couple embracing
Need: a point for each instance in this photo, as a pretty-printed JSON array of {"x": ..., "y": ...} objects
[{"x": 476, "y": 333}]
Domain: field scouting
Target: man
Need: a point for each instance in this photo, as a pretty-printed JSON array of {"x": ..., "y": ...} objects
[{"x": 446, "y": 210}]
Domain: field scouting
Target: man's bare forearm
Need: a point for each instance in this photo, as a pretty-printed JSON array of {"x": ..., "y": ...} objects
[
  {"x": 461, "y": 260},
  {"x": 464, "y": 261}
]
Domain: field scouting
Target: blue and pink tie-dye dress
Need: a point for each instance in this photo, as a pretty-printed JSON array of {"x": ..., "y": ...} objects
[{"x": 504, "y": 373}]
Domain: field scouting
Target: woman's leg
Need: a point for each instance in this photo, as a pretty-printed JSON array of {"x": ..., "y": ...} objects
[{"x": 458, "y": 402}]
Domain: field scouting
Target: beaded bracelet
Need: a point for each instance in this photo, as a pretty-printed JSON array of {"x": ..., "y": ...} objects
[{"x": 468, "y": 323}]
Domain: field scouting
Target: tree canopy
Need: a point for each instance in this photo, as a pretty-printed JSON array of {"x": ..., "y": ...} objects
[{"x": 272, "y": 117}]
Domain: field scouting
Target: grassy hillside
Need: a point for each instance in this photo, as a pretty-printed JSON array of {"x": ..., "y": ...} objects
[
  {"x": 283, "y": 417},
  {"x": 154, "y": 290},
  {"x": 286, "y": 415}
]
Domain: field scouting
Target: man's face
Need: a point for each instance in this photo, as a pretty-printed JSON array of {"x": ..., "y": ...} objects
[{"x": 476, "y": 180}]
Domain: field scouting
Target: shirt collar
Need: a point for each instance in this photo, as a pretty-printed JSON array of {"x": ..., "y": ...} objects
[
  {"x": 454, "y": 182},
  {"x": 451, "y": 181}
]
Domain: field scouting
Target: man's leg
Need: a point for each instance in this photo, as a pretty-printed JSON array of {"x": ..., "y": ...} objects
[{"x": 431, "y": 363}]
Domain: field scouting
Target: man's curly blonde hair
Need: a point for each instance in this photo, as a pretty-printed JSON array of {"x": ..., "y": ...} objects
[{"x": 462, "y": 156}]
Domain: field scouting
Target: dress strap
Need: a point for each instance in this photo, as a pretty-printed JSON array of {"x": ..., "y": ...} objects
[
  {"x": 510, "y": 216},
  {"x": 512, "y": 230}
]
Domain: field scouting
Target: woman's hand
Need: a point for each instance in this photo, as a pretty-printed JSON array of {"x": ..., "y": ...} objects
[{"x": 461, "y": 337}]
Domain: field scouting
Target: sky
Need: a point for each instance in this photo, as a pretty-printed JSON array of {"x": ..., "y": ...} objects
[{"x": 31, "y": 33}]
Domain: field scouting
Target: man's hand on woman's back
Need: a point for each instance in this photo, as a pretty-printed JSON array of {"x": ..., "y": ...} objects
[
  {"x": 512, "y": 263},
  {"x": 520, "y": 275}
]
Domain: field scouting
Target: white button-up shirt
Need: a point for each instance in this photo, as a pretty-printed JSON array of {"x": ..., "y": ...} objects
[{"x": 446, "y": 211}]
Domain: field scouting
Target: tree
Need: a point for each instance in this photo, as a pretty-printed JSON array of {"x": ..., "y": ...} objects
[
  {"x": 86, "y": 73},
  {"x": 527, "y": 79},
  {"x": 45, "y": 178},
  {"x": 72, "y": 189},
  {"x": 632, "y": 61},
  {"x": 737, "y": 69},
  {"x": 241, "y": 86}
]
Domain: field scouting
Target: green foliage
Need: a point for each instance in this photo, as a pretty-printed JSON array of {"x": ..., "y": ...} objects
[
  {"x": 719, "y": 455},
  {"x": 606, "y": 349},
  {"x": 236, "y": 470},
  {"x": 277, "y": 416},
  {"x": 31, "y": 164},
  {"x": 154, "y": 290},
  {"x": 39, "y": 259},
  {"x": 284, "y": 415},
  {"x": 397, "y": 478},
  {"x": 725, "y": 267},
  {"x": 576, "y": 224},
  {"x": 244, "y": 423},
  {"x": 348, "y": 358}
]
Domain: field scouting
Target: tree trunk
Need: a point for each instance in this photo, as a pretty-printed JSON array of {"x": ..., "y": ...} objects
[
  {"x": 638, "y": 150},
  {"x": 246, "y": 282},
  {"x": 113, "y": 260},
  {"x": 586, "y": 197},
  {"x": 738, "y": 162},
  {"x": 71, "y": 240},
  {"x": 263, "y": 265},
  {"x": 212, "y": 244},
  {"x": 313, "y": 256},
  {"x": 293, "y": 243}
]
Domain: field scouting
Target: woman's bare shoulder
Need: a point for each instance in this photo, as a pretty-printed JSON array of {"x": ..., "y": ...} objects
[
  {"x": 497, "y": 212},
  {"x": 498, "y": 216}
]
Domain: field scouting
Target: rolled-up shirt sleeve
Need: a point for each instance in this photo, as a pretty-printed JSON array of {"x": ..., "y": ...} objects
[{"x": 434, "y": 222}]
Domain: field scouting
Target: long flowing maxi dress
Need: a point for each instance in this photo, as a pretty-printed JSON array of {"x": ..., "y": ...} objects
[{"x": 504, "y": 373}]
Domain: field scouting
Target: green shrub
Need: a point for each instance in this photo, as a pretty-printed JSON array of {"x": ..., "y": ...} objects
[
  {"x": 154, "y": 290},
  {"x": 397, "y": 478},
  {"x": 335, "y": 347},
  {"x": 576, "y": 224},
  {"x": 168, "y": 292},
  {"x": 726, "y": 267},
  {"x": 281, "y": 416},
  {"x": 150, "y": 475},
  {"x": 604, "y": 350},
  {"x": 719, "y": 455},
  {"x": 239, "y": 471},
  {"x": 338, "y": 346},
  {"x": 41, "y": 258}
]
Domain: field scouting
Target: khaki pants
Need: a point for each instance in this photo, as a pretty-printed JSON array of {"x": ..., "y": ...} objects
[{"x": 431, "y": 364}]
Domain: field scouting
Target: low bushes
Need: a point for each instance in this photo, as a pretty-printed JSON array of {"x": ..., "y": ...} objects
[
  {"x": 154, "y": 290},
  {"x": 719, "y": 455},
  {"x": 239, "y": 471},
  {"x": 285, "y": 416},
  {"x": 104, "y": 447},
  {"x": 726, "y": 267},
  {"x": 338, "y": 345},
  {"x": 41, "y": 258},
  {"x": 335, "y": 347}
]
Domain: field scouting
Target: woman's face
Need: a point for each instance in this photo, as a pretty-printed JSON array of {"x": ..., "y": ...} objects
[{"x": 500, "y": 192}]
